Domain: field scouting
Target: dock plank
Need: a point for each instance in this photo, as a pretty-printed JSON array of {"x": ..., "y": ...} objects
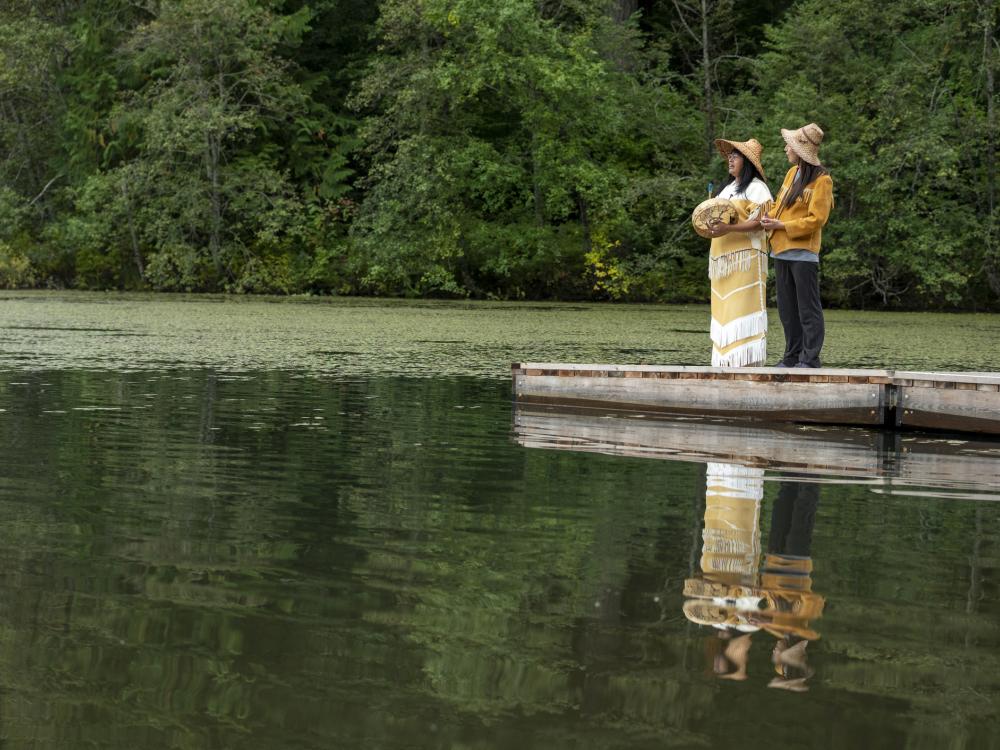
[
  {"x": 698, "y": 370},
  {"x": 845, "y": 403},
  {"x": 942, "y": 400},
  {"x": 951, "y": 409}
]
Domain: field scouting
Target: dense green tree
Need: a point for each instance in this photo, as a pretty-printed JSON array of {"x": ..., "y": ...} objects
[
  {"x": 31, "y": 50},
  {"x": 899, "y": 91},
  {"x": 211, "y": 209},
  {"x": 514, "y": 148},
  {"x": 509, "y": 148}
]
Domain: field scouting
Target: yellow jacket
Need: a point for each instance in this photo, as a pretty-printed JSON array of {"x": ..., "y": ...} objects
[{"x": 805, "y": 218}]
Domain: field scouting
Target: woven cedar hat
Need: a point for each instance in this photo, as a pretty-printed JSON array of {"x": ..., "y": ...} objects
[
  {"x": 805, "y": 142},
  {"x": 750, "y": 149}
]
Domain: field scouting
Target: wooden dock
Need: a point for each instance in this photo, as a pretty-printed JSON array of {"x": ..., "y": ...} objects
[
  {"x": 892, "y": 462},
  {"x": 957, "y": 402}
]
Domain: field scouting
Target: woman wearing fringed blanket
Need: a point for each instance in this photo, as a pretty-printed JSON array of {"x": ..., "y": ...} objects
[{"x": 737, "y": 262}]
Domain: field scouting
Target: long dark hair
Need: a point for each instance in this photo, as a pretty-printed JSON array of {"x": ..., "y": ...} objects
[
  {"x": 807, "y": 174},
  {"x": 747, "y": 175}
]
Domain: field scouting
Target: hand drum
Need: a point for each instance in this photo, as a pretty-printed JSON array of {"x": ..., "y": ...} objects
[{"x": 712, "y": 210}]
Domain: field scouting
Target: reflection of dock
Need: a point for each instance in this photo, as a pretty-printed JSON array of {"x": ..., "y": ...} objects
[
  {"x": 884, "y": 457},
  {"x": 963, "y": 402}
]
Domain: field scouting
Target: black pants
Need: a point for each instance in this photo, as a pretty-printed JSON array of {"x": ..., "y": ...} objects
[
  {"x": 800, "y": 311},
  {"x": 793, "y": 518}
]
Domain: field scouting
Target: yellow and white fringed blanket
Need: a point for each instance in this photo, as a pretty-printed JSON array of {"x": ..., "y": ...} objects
[
  {"x": 737, "y": 267},
  {"x": 733, "y": 591},
  {"x": 731, "y": 537},
  {"x": 727, "y": 593}
]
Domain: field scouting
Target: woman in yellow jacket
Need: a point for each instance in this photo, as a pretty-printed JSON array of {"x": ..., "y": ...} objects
[{"x": 800, "y": 212}]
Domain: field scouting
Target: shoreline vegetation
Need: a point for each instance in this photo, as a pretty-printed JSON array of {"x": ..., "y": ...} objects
[{"x": 486, "y": 149}]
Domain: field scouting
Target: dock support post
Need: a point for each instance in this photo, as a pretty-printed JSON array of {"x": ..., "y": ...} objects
[{"x": 891, "y": 414}]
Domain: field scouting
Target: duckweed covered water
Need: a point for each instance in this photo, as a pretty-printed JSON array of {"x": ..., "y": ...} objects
[
  {"x": 431, "y": 339},
  {"x": 299, "y": 524}
]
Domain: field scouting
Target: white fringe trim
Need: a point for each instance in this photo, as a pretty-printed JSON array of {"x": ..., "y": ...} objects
[
  {"x": 729, "y": 541},
  {"x": 734, "y": 480},
  {"x": 752, "y": 354},
  {"x": 738, "y": 261},
  {"x": 743, "y": 563},
  {"x": 734, "y": 330},
  {"x": 726, "y": 471},
  {"x": 721, "y": 266}
]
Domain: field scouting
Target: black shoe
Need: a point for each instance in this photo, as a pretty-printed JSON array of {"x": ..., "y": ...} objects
[
  {"x": 803, "y": 364},
  {"x": 781, "y": 364}
]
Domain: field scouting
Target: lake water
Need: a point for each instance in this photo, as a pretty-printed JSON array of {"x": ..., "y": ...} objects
[{"x": 253, "y": 523}]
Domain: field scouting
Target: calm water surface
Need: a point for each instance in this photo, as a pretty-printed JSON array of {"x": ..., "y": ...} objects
[{"x": 294, "y": 524}]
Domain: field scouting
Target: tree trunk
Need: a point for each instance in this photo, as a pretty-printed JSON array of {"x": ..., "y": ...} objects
[
  {"x": 35, "y": 177},
  {"x": 585, "y": 224},
  {"x": 213, "y": 158},
  {"x": 622, "y": 10},
  {"x": 622, "y": 56},
  {"x": 992, "y": 264},
  {"x": 136, "y": 255},
  {"x": 707, "y": 74},
  {"x": 536, "y": 188},
  {"x": 989, "y": 57}
]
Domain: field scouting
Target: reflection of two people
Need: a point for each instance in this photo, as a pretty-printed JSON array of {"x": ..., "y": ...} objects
[{"x": 738, "y": 595}]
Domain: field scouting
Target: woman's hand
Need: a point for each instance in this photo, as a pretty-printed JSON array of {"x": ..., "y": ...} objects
[
  {"x": 768, "y": 223},
  {"x": 716, "y": 228}
]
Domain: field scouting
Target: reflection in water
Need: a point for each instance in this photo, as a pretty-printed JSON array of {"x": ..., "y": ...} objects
[
  {"x": 891, "y": 463},
  {"x": 739, "y": 596},
  {"x": 908, "y": 658},
  {"x": 195, "y": 560}
]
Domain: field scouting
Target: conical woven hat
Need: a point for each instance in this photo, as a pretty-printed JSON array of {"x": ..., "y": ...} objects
[
  {"x": 750, "y": 149},
  {"x": 805, "y": 142}
]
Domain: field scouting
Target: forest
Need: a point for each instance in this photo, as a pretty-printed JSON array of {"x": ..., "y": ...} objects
[{"x": 487, "y": 149}]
